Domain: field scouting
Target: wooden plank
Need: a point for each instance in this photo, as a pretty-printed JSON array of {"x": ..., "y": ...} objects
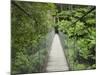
[{"x": 57, "y": 60}]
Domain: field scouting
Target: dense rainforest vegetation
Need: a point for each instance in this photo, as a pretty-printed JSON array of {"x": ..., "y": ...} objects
[
  {"x": 30, "y": 24},
  {"x": 32, "y": 32},
  {"x": 79, "y": 35}
]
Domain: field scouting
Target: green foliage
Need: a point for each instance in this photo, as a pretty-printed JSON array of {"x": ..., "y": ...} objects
[
  {"x": 80, "y": 40},
  {"x": 28, "y": 31},
  {"x": 79, "y": 67}
]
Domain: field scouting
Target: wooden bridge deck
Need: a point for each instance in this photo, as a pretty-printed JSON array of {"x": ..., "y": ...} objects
[{"x": 56, "y": 60}]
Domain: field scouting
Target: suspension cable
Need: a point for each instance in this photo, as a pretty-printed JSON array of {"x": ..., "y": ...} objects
[
  {"x": 83, "y": 15},
  {"x": 22, "y": 9},
  {"x": 18, "y": 6}
]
